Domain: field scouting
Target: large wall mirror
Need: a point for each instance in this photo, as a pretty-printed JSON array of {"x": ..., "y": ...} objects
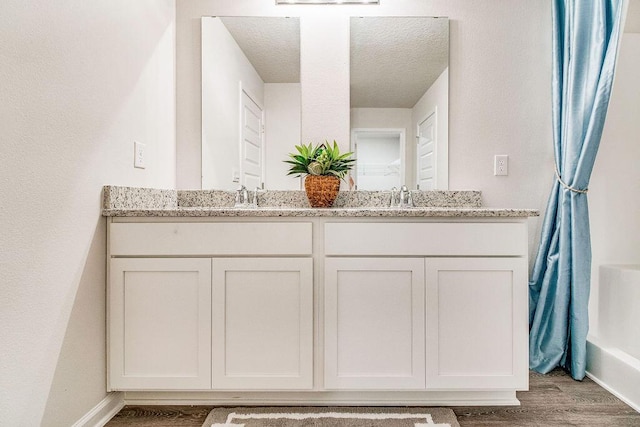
[
  {"x": 399, "y": 101},
  {"x": 250, "y": 101}
]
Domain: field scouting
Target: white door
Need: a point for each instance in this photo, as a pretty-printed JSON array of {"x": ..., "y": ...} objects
[
  {"x": 374, "y": 323},
  {"x": 426, "y": 150},
  {"x": 160, "y": 324},
  {"x": 477, "y": 324},
  {"x": 251, "y": 140},
  {"x": 262, "y": 323},
  {"x": 380, "y": 153}
]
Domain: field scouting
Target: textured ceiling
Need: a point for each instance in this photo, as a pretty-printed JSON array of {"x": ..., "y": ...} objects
[
  {"x": 271, "y": 44},
  {"x": 394, "y": 60}
]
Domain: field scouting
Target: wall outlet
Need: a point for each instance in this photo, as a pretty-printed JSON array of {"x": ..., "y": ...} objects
[
  {"x": 501, "y": 164},
  {"x": 139, "y": 158},
  {"x": 235, "y": 175}
]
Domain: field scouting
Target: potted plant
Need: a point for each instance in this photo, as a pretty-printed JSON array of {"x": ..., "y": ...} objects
[{"x": 323, "y": 167}]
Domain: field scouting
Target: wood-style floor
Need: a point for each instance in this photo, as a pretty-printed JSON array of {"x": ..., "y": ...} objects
[{"x": 553, "y": 400}]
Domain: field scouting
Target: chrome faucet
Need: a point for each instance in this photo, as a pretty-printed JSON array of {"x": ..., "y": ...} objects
[
  {"x": 406, "y": 200},
  {"x": 254, "y": 203},
  {"x": 242, "y": 196},
  {"x": 393, "y": 203}
]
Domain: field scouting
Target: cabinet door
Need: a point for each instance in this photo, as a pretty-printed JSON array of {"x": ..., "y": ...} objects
[
  {"x": 160, "y": 324},
  {"x": 477, "y": 323},
  {"x": 374, "y": 323},
  {"x": 262, "y": 323}
]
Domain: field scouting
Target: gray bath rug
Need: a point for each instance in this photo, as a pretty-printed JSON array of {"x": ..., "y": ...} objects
[{"x": 331, "y": 417}]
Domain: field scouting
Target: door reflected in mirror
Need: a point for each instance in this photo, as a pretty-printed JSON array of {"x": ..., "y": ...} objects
[
  {"x": 250, "y": 101},
  {"x": 400, "y": 82},
  {"x": 379, "y": 152}
]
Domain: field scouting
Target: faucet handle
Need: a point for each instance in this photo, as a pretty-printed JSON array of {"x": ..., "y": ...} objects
[
  {"x": 393, "y": 203},
  {"x": 406, "y": 200},
  {"x": 255, "y": 197},
  {"x": 241, "y": 196}
]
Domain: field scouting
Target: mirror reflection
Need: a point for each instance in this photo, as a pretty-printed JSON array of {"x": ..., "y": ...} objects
[
  {"x": 399, "y": 101},
  {"x": 250, "y": 100},
  {"x": 379, "y": 154}
]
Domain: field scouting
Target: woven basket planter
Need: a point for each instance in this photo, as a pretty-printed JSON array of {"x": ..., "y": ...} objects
[{"x": 322, "y": 190}]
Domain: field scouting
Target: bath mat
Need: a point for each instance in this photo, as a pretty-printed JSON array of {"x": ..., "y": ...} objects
[{"x": 331, "y": 417}]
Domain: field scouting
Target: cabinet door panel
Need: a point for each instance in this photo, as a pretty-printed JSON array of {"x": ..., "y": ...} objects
[
  {"x": 374, "y": 323},
  {"x": 476, "y": 324},
  {"x": 262, "y": 323},
  {"x": 160, "y": 324}
]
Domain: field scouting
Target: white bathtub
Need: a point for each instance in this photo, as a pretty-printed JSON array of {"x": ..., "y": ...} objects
[{"x": 613, "y": 357}]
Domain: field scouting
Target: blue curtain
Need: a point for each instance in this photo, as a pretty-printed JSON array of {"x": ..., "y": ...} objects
[{"x": 585, "y": 44}]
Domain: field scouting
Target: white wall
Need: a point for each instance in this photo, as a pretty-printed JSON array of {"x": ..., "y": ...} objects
[
  {"x": 382, "y": 118},
  {"x": 499, "y": 95},
  {"x": 614, "y": 190},
  {"x": 225, "y": 67},
  {"x": 324, "y": 76},
  {"x": 282, "y": 132},
  {"x": 81, "y": 80},
  {"x": 434, "y": 100}
]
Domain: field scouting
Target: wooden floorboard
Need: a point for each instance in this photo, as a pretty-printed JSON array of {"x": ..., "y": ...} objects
[
  {"x": 553, "y": 400},
  {"x": 160, "y": 416}
]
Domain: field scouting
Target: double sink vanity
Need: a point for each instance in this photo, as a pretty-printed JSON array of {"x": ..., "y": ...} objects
[{"x": 285, "y": 304}]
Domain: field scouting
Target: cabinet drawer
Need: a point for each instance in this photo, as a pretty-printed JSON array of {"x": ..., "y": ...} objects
[
  {"x": 424, "y": 239},
  {"x": 190, "y": 239}
]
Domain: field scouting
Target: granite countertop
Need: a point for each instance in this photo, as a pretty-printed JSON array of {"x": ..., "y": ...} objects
[
  {"x": 146, "y": 202},
  {"x": 321, "y": 212}
]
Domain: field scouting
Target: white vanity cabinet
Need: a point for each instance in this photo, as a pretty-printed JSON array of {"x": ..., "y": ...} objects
[
  {"x": 235, "y": 314},
  {"x": 470, "y": 332},
  {"x": 349, "y": 310}
]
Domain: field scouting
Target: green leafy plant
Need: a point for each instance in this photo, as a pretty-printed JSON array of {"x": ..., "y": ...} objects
[{"x": 322, "y": 159}]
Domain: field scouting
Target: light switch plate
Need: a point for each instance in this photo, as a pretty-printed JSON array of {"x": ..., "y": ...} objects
[
  {"x": 501, "y": 165},
  {"x": 139, "y": 158}
]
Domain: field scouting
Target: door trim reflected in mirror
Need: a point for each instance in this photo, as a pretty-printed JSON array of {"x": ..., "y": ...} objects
[{"x": 380, "y": 153}]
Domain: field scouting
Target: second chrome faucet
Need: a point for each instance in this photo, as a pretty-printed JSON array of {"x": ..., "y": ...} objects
[
  {"x": 242, "y": 198},
  {"x": 401, "y": 199}
]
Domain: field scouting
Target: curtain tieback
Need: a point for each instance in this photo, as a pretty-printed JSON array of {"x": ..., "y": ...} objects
[{"x": 568, "y": 187}]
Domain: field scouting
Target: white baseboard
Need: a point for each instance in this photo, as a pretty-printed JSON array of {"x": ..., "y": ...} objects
[
  {"x": 100, "y": 414},
  {"x": 325, "y": 398},
  {"x": 615, "y": 371}
]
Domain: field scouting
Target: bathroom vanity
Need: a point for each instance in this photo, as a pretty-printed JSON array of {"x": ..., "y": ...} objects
[{"x": 284, "y": 304}]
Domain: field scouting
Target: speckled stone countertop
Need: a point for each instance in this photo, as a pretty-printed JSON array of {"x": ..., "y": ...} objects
[{"x": 148, "y": 202}]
